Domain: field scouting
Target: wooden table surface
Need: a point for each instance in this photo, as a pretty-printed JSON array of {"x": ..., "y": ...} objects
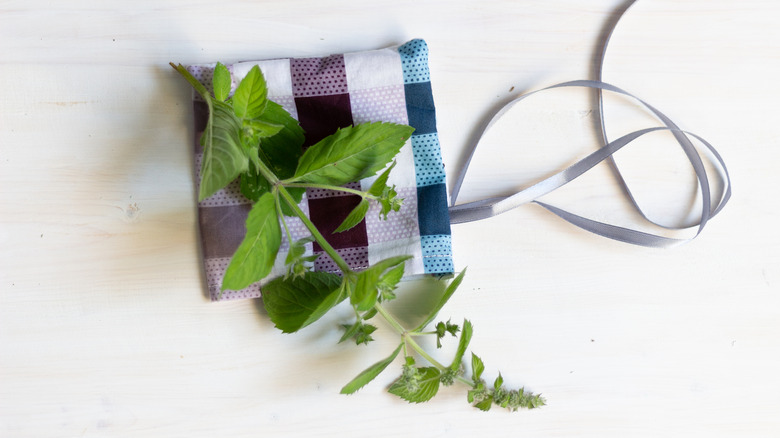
[{"x": 105, "y": 328}]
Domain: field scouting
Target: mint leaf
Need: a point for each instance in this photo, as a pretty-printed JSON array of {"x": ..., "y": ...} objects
[
  {"x": 252, "y": 184},
  {"x": 453, "y": 286},
  {"x": 366, "y": 292},
  {"x": 370, "y": 373},
  {"x": 250, "y": 98},
  {"x": 485, "y": 404},
  {"x": 255, "y": 257},
  {"x": 351, "y": 154},
  {"x": 223, "y": 156},
  {"x": 477, "y": 367},
  {"x": 427, "y": 385},
  {"x": 380, "y": 183},
  {"x": 221, "y": 82},
  {"x": 282, "y": 151},
  {"x": 354, "y": 217},
  {"x": 389, "y": 281},
  {"x": 261, "y": 129},
  {"x": 297, "y": 302},
  {"x": 465, "y": 338}
]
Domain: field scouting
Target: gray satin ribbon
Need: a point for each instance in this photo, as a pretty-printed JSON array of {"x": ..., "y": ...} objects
[{"x": 490, "y": 207}]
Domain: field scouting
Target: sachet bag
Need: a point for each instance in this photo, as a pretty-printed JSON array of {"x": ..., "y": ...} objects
[{"x": 324, "y": 94}]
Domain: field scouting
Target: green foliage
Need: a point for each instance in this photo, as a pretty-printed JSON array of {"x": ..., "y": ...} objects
[
  {"x": 224, "y": 158},
  {"x": 370, "y": 373},
  {"x": 354, "y": 217},
  {"x": 451, "y": 288},
  {"x": 250, "y": 137},
  {"x": 351, "y": 154},
  {"x": 366, "y": 290},
  {"x": 256, "y": 255},
  {"x": 221, "y": 82},
  {"x": 250, "y": 98},
  {"x": 417, "y": 385},
  {"x": 296, "y": 302}
]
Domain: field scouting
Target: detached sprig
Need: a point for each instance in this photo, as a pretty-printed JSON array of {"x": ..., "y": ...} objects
[{"x": 253, "y": 139}]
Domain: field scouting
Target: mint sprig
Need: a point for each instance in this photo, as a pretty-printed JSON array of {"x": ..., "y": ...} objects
[{"x": 250, "y": 137}]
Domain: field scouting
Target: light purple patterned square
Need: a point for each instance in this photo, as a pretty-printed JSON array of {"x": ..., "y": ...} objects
[
  {"x": 399, "y": 225},
  {"x": 385, "y": 104},
  {"x": 356, "y": 258},
  {"x": 318, "y": 76}
]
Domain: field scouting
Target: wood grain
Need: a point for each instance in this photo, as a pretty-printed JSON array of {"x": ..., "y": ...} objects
[{"x": 105, "y": 328}]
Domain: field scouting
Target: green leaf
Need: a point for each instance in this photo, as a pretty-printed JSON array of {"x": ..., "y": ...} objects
[
  {"x": 370, "y": 373},
  {"x": 352, "y": 153},
  {"x": 282, "y": 151},
  {"x": 485, "y": 404},
  {"x": 255, "y": 257},
  {"x": 253, "y": 185},
  {"x": 477, "y": 367},
  {"x": 451, "y": 288},
  {"x": 427, "y": 389},
  {"x": 465, "y": 338},
  {"x": 380, "y": 183},
  {"x": 204, "y": 93},
  {"x": 223, "y": 156},
  {"x": 297, "y": 302},
  {"x": 354, "y": 217},
  {"x": 262, "y": 129},
  {"x": 221, "y": 82},
  {"x": 350, "y": 330},
  {"x": 366, "y": 292},
  {"x": 389, "y": 201},
  {"x": 250, "y": 98},
  {"x": 389, "y": 281},
  {"x": 498, "y": 382}
]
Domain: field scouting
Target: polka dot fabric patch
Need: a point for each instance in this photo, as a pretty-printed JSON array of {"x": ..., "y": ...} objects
[{"x": 324, "y": 94}]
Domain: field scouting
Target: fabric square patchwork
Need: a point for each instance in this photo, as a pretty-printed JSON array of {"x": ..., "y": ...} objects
[{"x": 324, "y": 94}]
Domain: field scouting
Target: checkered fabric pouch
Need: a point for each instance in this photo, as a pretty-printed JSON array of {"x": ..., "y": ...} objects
[{"x": 324, "y": 94}]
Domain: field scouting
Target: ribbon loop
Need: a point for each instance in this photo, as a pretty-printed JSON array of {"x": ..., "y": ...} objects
[{"x": 490, "y": 207}]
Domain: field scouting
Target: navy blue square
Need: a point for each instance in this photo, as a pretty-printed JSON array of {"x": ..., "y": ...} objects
[
  {"x": 420, "y": 108},
  {"x": 432, "y": 211}
]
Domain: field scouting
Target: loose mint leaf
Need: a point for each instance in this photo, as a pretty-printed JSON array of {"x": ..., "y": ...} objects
[
  {"x": 351, "y": 154},
  {"x": 354, "y": 217},
  {"x": 250, "y": 98},
  {"x": 366, "y": 292},
  {"x": 221, "y": 82},
  {"x": 451, "y": 288},
  {"x": 255, "y": 257},
  {"x": 370, "y": 373},
  {"x": 465, "y": 338},
  {"x": 297, "y": 302},
  {"x": 477, "y": 367},
  {"x": 380, "y": 183},
  {"x": 428, "y": 385},
  {"x": 223, "y": 156}
]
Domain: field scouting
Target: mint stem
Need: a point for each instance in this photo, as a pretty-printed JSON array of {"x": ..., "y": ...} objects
[
  {"x": 313, "y": 230},
  {"x": 423, "y": 353},
  {"x": 390, "y": 319},
  {"x": 330, "y": 187}
]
